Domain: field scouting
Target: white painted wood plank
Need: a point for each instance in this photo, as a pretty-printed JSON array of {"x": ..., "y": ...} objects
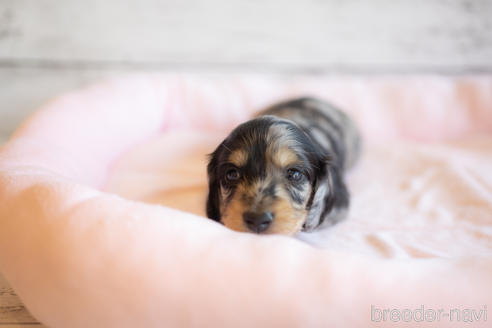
[
  {"x": 12, "y": 311},
  {"x": 389, "y": 35}
]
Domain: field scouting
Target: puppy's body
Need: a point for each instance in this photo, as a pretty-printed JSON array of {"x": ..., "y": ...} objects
[
  {"x": 335, "y": 135},
  {"x": 282, "y": 171},
  {"x": 333, "y": 131}
]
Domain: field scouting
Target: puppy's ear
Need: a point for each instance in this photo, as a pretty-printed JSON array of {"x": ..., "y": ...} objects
[
  {"x": 213, "y": 199},
  {"x": 329, "y": 195},
  {"x": 337, "y": 197}
]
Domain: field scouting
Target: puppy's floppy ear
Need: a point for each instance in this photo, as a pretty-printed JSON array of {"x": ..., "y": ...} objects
[
  {"x": 213, "y": 199},
  {"x": 337, "y": 197},
  {"x": 329, "y": 193}
]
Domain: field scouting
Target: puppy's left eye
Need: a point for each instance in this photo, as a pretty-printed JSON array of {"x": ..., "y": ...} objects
[
  {"x": 232, "y": 175},
  {"x": 294, "y": 175}
]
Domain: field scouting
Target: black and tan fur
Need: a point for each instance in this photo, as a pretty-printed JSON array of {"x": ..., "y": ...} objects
[{"x": 282, "y": 171}]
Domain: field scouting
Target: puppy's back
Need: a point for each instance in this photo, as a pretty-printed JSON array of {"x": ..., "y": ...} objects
[{"x": 328, "y": 126}]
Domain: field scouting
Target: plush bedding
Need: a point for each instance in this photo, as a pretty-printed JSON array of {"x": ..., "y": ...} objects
[{"x": 102, "y": 209}]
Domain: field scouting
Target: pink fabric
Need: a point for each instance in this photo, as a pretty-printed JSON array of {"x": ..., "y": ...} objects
[{"x": 86, "y": 242}]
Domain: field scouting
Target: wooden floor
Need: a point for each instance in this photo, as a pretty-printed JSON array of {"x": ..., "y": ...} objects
[
  {"x": 12, "y": 311},
  {"x": 52, "y": 46}
]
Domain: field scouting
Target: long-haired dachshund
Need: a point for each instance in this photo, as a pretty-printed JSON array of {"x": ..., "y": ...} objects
[{"x": 282, "y": 171}]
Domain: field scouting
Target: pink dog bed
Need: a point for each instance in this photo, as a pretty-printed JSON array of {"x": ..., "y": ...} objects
[{"x": 102, "y": 209}]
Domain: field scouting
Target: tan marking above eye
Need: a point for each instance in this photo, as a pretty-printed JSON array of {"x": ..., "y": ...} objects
[
  {"x": 239, "y": 157},
  {"x": 284, "y": 157}
]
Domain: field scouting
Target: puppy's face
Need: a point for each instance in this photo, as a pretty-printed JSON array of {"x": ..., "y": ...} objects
[{"x": 263, "y": 177}]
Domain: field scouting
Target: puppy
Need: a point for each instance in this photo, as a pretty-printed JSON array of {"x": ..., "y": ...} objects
[{"x": 282, "y": 171}]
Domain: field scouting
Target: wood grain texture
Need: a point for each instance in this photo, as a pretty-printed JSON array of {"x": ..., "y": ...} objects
[
  {"x": 12, "y": 311},
  {"x": 303, "y": 35}
]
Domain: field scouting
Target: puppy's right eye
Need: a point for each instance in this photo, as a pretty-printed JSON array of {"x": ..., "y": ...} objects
[
  {"x": 294, "y": 175},
  {"x": 232, "y": 175}
]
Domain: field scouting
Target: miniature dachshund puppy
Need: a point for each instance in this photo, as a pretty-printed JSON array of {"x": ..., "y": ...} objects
[{"x": 282, "y": 172}]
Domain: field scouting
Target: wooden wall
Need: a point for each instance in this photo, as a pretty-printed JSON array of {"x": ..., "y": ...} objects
[{"x": 49, "y": 46}]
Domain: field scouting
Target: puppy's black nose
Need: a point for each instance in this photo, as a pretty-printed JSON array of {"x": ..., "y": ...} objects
[{"x": 258, "y": 222}]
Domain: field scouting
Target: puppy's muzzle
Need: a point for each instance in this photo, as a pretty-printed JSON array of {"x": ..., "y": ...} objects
[{"x": 258, "y": 221}]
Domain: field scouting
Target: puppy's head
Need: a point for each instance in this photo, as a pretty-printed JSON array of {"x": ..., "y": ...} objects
[{"x": 264, "y": 176}]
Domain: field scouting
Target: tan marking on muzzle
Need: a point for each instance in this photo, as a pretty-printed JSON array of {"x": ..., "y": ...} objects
[{"x": 288, "y": 217}]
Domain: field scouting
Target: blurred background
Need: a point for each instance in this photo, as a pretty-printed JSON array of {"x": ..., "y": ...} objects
[{"x": 51, "y": 46}]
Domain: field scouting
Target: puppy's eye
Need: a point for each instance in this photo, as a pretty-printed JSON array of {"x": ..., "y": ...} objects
[
  {"x": 294, "y": 175},
  {"x": 232, "y": 175}
]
